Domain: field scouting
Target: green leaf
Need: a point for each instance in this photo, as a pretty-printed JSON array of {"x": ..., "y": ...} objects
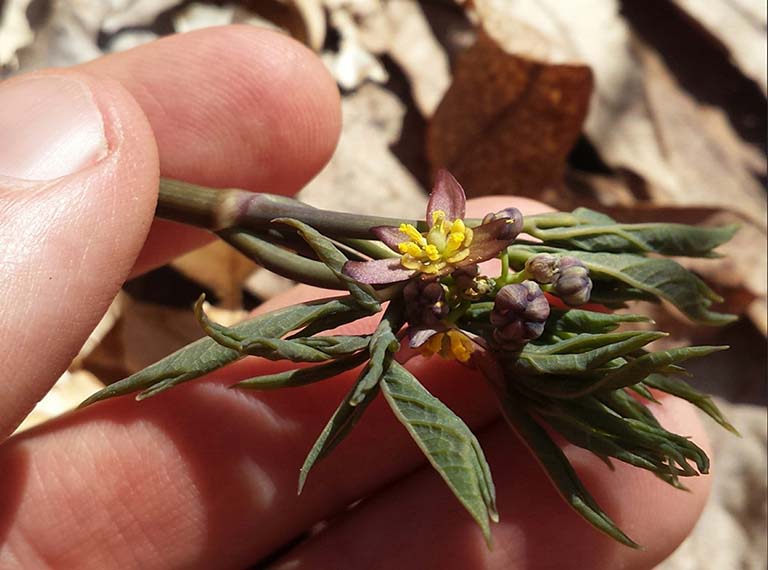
[
  {"x": 639, "y": 436},
  {"x": 681, "y": 389},
  {"x": 557, "y": 466},
  {"x": 628, "y": 374},
  {"x": 301, "y": 349},
  {"x": 585, "y": 436},
  {"x": 382, "y": 346},
  {"x": 364, "y": 294},
  {"x": 280, "y": 260},
  {"x": 302, "y": 376},
  {"x": 206, "y": 355},
  {"x": 580, "y": 321},
  {"x": 638, "y": 370},
  {"x": 446, "y": 441},
  {"x": 338, "y": 427},
  {"x": 663, "y": 278},
  {"x": 581, "y": 353},
  {"x": 596, "y": 232}
]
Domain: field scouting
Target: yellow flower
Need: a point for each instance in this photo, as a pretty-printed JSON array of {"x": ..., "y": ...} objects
[
  {"x": 447, "y": 242},
  {"x": 449, "y": 344}
]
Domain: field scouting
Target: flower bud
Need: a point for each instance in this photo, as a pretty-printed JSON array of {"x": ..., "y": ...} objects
[
  {"x": 519, "y": 313},
  {"x": 543, "y": 267},
  {"x": 572, "y": 283},
  {"x": 470, "y": 285},
  {"x": 514, "y": 225},
  {"x": 425, "y": 302}
]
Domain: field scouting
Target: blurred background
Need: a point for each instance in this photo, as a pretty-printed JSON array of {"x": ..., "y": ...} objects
[{"x": 643, "y": 109}]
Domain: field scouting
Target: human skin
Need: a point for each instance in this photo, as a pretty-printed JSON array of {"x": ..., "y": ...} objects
[{"x": 205, "y": 477}]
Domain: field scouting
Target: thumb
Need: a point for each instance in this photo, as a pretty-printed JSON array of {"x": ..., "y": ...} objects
[{"x": 78, "y": 184}]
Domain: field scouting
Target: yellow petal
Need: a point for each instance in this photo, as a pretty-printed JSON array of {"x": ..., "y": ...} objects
[
  {"x": 412, "y": 233},
  {"x": 468, "y": 235},
  {"x": 459, "y": 256}
]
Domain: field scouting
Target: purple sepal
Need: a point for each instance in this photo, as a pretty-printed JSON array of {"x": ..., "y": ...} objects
[
  {"x": 448, "y": 196},
  {"x": 389, "y": 236},
  {"x": 378, "y": 271}
]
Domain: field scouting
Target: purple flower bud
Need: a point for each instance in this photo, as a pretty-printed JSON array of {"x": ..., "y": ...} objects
[
  {"x": 519, "y": 313},
  {"x": 543, "y": 267},
  {"x": 514, "y": 222},
  {"x": 425, "y": 302},
  {"x": 572, "y": 283},
  {"x": 470, "y": 285}
]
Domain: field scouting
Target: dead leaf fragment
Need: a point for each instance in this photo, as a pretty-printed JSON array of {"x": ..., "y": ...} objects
[
  {"x": 65, "y": 395},
  {"x": 364, "y": 176},
  {"x": 220, "y": 268},
  {"x": 15, "y": 32},
  {"x": 415, "y": 49},
  {"x": 507, "y": 122},
  {"x": 740, "y": 26}
]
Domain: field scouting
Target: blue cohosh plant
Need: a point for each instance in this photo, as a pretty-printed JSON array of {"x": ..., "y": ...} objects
[{"x": 551, "y": 359}]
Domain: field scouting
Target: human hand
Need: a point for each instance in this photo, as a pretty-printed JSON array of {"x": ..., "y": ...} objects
[{"x": 202, "y": 476}]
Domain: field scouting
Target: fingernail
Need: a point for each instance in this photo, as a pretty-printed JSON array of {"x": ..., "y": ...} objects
[{"x": 50, "y": 126}]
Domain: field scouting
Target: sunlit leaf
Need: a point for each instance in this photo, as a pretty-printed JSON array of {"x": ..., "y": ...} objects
[
  {"x": 446, "y": 441},
  {"x": 595, "y": 232},
  {"x": 206, "y": 355},
  {"x": 557, "y": 467},
  {"x": 338, "y": 427}
]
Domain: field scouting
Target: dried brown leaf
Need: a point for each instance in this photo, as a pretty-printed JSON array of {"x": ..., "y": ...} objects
[
  {"x": 709, "y": 164},
  {"x": 508, "y": 121},
  {"x": 415, "y": 49},
  {"x": 65, "y": 395}
]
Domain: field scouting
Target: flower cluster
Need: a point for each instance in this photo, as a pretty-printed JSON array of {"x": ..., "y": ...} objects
[
  {"x": 441, "y": 269},
  {"x": 441, "y": 266}
]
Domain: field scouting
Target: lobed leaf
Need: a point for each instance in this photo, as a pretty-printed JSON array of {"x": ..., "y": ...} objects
[
  {"x": 206, "y": 355},
  {"x": 581, "y": 321},
  {"x": 640, "y": 436},
  {"x": 338, "y": 427},
  {"x": 681, "y": 389},
  {"x": 581, "y": 353},
  {"x": 447, "y": 442},
  {"x": 627, "y": 374},
  {"x": 382, "y": 346},
  {"x": 595, "y": 232},
  {"x": 558, "y": 468},
  {"x": 302, "y": 376}
]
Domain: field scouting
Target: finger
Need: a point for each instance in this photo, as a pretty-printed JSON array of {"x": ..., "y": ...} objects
[
  {"x": 78, "y": 185},
  {"x": 416, "y": 523},
  {"x": 234, "y": 106}
]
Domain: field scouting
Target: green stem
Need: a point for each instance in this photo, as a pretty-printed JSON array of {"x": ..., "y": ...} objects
[
  {"x": 281, "y": 261},
  {"x": 215, "y": 210},
  {"x": 504, "y": 267}
]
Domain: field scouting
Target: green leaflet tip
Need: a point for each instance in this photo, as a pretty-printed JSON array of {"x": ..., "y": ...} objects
[
  {"x": 302, "y": 480},
  {"x": 98, "y": 396}
]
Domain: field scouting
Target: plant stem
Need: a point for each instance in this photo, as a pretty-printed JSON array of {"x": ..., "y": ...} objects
[{"x": 215, "y": 210}]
